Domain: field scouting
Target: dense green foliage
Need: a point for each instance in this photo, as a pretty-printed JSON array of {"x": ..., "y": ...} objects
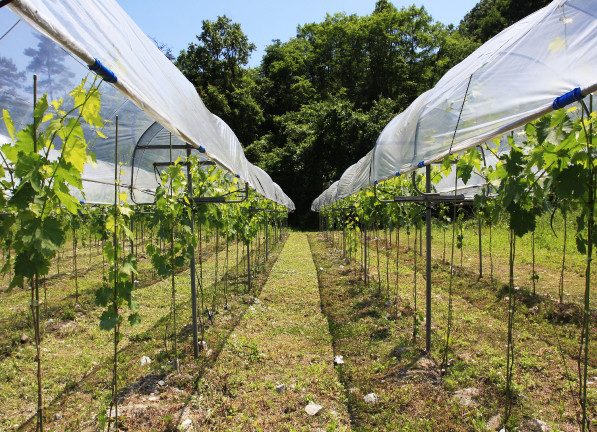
[{"x": 489, "y": 17}]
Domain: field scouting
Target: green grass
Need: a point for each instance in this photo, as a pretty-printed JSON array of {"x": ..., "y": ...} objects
[
  {"x": 477, "y": 343},
  {"x": 284, "y": 341},
  {"x": 76, "y": 353},
  {"x": 312, "y": 305},
  {"x": 548, "y": 255}
]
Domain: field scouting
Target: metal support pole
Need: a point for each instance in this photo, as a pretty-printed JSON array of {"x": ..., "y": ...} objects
[
  {"x": 343, "y": 236},
  {"x": 193, "y": 287},
  {"x": 428, "y": 253},
  {"x": 132, "y": 243},
  {"x": 249, "y": 267},
  {"x": 480, "y": 251},
  {"x": 365, "y": 255},
  {"x": 420, "y": 243},
  {"x": 266, "y": 237},
  {"x": 132, "y": 239}
]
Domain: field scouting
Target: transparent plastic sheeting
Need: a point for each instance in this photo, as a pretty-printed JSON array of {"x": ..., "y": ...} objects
[
  {"x": 98, "y": 182},
  {"x": 353, "y": 176},
  {"x": 149, "y": 87},
  {"x": 509, "y": 81},
  {"x": 144, "y": 158}
]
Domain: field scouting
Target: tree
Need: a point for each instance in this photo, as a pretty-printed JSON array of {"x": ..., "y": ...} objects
[
  {"x": 218, "y": 57},
  {"x": 48, "y": 61},
  {"x": 317, "y": 143},
  {"x": 391, "y": 53},
  {"x": 11, "y": 80},
  {"x": 402, "y": 46},
  {"x": 215, "y": 65},
  {"x": 284, "y": 78},
  {"x": 164, "y": 48},
  {"x": 327, "y": 93},
  {"x": 10, "y": 76},
  {"x": 489, "y": 17}
]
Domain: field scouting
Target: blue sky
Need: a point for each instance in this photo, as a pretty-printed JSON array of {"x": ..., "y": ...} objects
[{"x": 178, "y": 21}]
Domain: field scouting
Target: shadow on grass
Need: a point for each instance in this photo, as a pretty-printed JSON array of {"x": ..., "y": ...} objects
[{"x": 147, "y": 383}]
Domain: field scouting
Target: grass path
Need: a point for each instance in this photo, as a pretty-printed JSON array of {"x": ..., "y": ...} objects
[{"x": 282, "y": 339}]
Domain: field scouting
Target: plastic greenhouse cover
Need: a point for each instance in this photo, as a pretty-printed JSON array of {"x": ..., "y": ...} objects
[
  {"x": 156, "y": 135},
  {"x": 446, "y": 185},
  {"x": 509, "y": 81},
  {"x": 148, "y": 87}
]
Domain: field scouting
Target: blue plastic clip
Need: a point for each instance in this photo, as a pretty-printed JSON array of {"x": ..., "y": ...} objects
[
  {"x": 397, "y": 173},
  {"x": 375, "y": 182},
  {"x": 421, "y": 164},
  {"x": 567, "y": 99},
  {"x": 103, "y": 71},
  {"x": 237, "y": 176},
  {"x": 201, "y": 149},
  {"x": 81, "y": 202}
]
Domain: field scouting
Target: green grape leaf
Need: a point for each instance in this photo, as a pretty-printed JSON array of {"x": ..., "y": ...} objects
[
  {"x": 9, "y": 124},
  {"x": 543, "y": 128},
  {"x": 109, "y": 319},
  {"x": 67, "y": 173},
  {"x": 91, "y": 159},
  {"x": 16, "y": 281},
  {"x": 68, "y": 201},
  {"x": 128, "y": 267},
  {"x": 50, "y": 236},
  {"x": 10, "y": 151},
  {"x": 557, "y": 118},
  {"x": 571, "y": 182},
  {"x": 103, "y": 295},
  {"x": 25, "y": 140},
  {"x": 465, "y": 170},
  {"x": 581, "y": 244},
  {"x": 109, "y": 251},
  {"x": 74, "y": 149},
  {"x": 28, "y": 167},
  {"x": 45, "y": 236},
  {"x": 522, "y": 220},
  {"x": 150, "y": 249},
  {"x": 134, "y": 319},
  {"x": 41, "y": 107},
  {"x": 134, "y": 304},
  {"x": 27, "y": 264}
]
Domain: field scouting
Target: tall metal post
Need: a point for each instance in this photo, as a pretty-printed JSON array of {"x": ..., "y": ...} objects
[
  {"x": 249, "y": 267},
  {"x": 266, "y": 238},
  {"x": 193, "y": 287},
  {"x": 132, "y": 239},
  {"x": 428, "y": 253},
  {"x": 480, "y": 251},
  {"x": 365, "y": 255},
  {"x": 343, "y": 236}
]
